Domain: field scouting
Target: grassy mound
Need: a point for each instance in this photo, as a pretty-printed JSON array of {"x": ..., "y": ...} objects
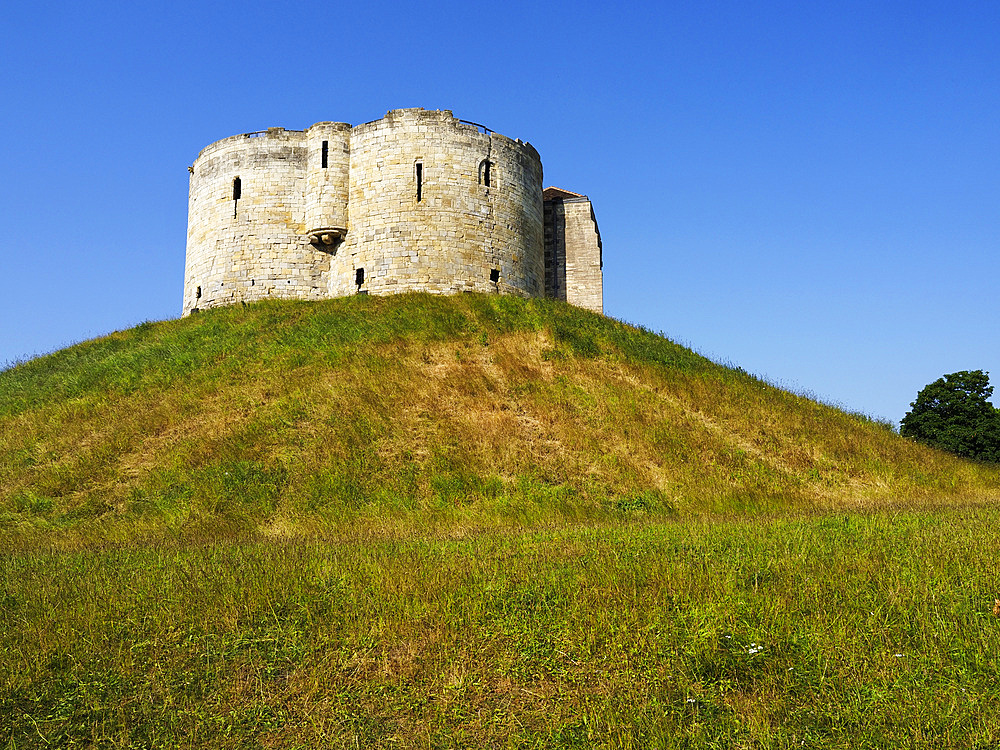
[
  {"x": 383, "y": 416},
  {"x": 474, "y": 522}
]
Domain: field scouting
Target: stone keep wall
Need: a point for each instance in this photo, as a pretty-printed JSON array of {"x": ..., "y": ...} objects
[
  {"x": 423, "y": 218},
  {"x": 416, "y": 201},
  {"x": 252, "y": 246},
  {"x": 328, "y": 162},
  {"x": 573, "y": 252}
]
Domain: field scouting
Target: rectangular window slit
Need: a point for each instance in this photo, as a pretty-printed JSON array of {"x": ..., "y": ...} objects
[
  {"x": 420, "y": 181},
  {"x": 326, "y": 153},
  {"x": 359, "y": 276},
  {"x": 495, "y": 275},
  {"x": 237, "y": 189}
]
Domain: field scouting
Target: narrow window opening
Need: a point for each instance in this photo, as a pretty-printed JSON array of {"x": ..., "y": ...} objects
[
  {"x": 359, "y": 277},
  {"x": 420, "y": 181},
  {"x": 326, "y": 153},
  {"x": 237, "y": 189},
  {"x": 495, "y": 275},
  {"x": 486, "y": 173},
  {"x": 197, "y": 293}
]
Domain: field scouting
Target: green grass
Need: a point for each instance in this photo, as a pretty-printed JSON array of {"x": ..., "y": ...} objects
[
  {"x": 474, "y": 522},
  {"x": 862, "y": 630},
  {"x": 387, "y": 415}
]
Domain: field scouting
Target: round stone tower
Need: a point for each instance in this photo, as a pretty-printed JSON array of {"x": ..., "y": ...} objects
[
  {"x": 416, "y": 201},
  {"x": 246, "y": 223},
  {"x": 439, "y": 205}
]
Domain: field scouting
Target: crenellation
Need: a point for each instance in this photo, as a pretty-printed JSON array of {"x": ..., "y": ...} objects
[{"x": 418, "y": 199}]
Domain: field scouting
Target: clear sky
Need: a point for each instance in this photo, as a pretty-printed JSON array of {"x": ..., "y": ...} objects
[{"x": 809, "y": 190}]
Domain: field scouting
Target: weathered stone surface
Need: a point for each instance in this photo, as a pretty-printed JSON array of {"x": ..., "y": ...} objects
[
  {"x": 574, "y": 260},
  {"x": 418, "y": 200}
]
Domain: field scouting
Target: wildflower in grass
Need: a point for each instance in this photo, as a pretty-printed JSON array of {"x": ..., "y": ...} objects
[{"x": 898, "y": 656}]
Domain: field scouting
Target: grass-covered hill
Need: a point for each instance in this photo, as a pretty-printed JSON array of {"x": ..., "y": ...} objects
[
  {"x": 437, "y": 413},
  {"x": 474, "y": 522}
]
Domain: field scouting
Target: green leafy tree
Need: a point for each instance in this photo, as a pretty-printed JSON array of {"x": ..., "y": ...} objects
[{"x": 954, "y": 413}]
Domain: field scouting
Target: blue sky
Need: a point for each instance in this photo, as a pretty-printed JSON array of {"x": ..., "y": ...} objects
[{"x": 810, "y": 191}]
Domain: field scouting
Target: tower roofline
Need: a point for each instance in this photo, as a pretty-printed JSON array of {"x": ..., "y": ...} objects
[{"x": 552, "y": 192}]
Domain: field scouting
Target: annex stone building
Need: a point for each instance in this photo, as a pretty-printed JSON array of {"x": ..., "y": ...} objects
[{"x": 415, "y": 201}]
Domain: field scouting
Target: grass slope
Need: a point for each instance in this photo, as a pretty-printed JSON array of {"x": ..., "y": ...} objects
[
  {"x": 397, "y": 413},
  {"x": 474, "y": 522}
]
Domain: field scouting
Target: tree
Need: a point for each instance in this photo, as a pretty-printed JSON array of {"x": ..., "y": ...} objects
[{"x": 954, "y": 414}]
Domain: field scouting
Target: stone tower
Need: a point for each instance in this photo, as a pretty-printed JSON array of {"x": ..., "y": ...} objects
[{"x": 415, "y": 201}]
